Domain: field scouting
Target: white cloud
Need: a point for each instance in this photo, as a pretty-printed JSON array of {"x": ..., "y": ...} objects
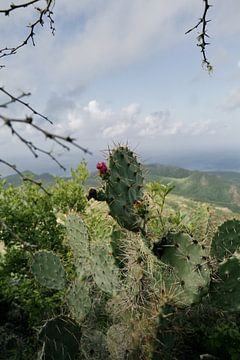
[
  {"x": 96, "y": 122},
  {"x": 132, "y": 109},
  {"x": 232, "y": 101},
  {"x": 94, "y": 37}
]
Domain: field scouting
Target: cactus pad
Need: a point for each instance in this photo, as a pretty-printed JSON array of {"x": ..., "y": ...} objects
[
  {"x": 94, "y": 345},
  {"x": 225, "y": 291},
  {"x": 118, "y": 341},
  {"x": 190, "y": 269},
  {"x": 104, "y": 271},
  {"x": 77, "y": 237},
  {"x": 61, "y": 338},
  {"x": 48, "y": 270},
  {"x": 227, "y": 239},
  {"x": 78, "y": 300},
  {"x": 124, "y": 188}
]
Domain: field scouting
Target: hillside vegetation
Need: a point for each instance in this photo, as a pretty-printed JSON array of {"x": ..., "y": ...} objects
[
  {"x": 79, "y": 281},
  {"x": 221, "y": 189}
]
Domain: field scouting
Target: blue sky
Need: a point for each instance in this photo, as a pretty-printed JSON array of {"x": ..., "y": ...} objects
[{"x": 124, "y": 70}]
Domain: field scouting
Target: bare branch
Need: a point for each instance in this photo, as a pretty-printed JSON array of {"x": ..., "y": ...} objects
[
  {"x": 14, "y": 7},
  {"x": 203, "y": 36},
  {"x": 18, "y": 99},
  {"x": 45, "y": 12},
  {"x": 29, "y": 121},
  {"x": 23, "y": 177}
]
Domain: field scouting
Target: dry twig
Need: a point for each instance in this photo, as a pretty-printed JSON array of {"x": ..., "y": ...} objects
[
  {"x": 45, "y": 12},
  {"x": 202, "y": 37},
  {"x": 63, "y": 141}
]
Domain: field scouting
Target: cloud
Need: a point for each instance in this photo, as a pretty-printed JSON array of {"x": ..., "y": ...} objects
[
  {"x": 93, "y": 38},
  {"x": 232, "y": 101},
  {"x": 94, "y": 121}
]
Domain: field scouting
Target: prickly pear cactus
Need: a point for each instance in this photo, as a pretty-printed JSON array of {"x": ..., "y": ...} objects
[
  {"x": 225, "y": 290},
  {"x": 77, "y": 235},
  {"x": 104, "y": 270},
  {"x": 91, "y": 260},
  {"x": 118, "y": 341},
  {"x": 124, "y": 188},
  {"x": 61, "y": 338},
  {"x": 48, "y": 270},
  {"x": 123, "y": 185},
  {"x": 191, "y": 274},
  {"x": 117, "y": 241},
  {"x": 94, "y": 345},
  {"x": 78, "y": 239},
  {"x": 226, "y": 240},
  {"x": 78, "y": 300}
]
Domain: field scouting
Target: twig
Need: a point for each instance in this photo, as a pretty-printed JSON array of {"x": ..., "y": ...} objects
[
  {"x": 29, "y": 120},
  {"x": 54, "y": 137},
  {"x": 24, "y": 178},
  {"x": 18, "y": 99},
  {"x": 14, "y": 7},
  {"x": 202, "y": 37},
  {"x": 45, "y": 12}
]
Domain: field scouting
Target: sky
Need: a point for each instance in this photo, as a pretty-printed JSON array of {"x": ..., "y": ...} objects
[{"x": 123, "y": 71}]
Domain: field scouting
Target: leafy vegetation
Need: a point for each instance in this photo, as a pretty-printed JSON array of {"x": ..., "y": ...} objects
[{"x": 125, "y": 292}]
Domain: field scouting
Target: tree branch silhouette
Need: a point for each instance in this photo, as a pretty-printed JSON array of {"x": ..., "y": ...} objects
[
  {"x": 30, "y": 121},
  {"x": 203, "y": 35},
  {"x": 42, "y": 13}
]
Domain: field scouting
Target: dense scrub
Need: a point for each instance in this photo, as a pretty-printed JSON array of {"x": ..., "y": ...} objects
[{"x": 88, "y": 277}]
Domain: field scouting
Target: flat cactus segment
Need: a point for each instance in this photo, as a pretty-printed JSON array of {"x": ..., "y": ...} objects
[
  {"x": 61, "y": 339},
  {"x": 78, "y": 300},
  {"x": 104, "y": 271},
  {"x": 227, "y": 239},
  {"x": 94, "y": 345},
  {"x": 78, "y": 239},
  {"x": 48, "y": 270},
  {"x": 124, "y": 187},
  {"x": 117, "y": 248},
  {"x": 190, "y": 268},
  {"x": 77, "y": 235},
  {"x": 118, "y": 341},
  {"x": 225, "y": 291}
]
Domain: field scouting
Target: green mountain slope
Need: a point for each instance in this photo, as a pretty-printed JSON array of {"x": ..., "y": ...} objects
[
  {"x": 218, "y": 188},
  {"x": 16, "y": 180}
]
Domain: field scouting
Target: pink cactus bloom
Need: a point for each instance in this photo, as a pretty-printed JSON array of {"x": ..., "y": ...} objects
[{"x": 102, "y": 168}]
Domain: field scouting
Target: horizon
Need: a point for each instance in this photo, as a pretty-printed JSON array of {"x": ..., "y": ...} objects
[
  {"x": 118, "y": 70},
  {"x": 200, "y": 163}
]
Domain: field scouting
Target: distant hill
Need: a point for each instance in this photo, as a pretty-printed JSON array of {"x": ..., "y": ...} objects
[
  {"x": 16, "y": 180},
  {"x": 218, "y": 188}
]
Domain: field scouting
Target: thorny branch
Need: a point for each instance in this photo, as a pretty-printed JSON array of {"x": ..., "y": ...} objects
[
  {"x": 202, "y": 37},
  {"x": 62, "y": 141},
  {"x": 44, "y": 12}
]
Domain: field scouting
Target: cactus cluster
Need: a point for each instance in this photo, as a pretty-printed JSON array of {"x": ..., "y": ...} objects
[{"x": 141, "y": 283}]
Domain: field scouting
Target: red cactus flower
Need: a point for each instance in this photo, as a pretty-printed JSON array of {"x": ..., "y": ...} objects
[{"x": 102, "y": 168}]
